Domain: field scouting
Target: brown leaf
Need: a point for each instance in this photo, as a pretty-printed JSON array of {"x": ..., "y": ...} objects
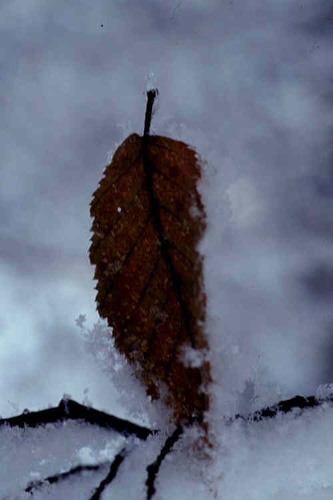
[{"x": 148, "y": 219}]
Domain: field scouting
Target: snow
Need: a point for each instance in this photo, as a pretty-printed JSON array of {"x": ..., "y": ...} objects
[
  {"x": 193, "y": 358},
  {"x": 324, "y": 391},
  {"x": 152, "y": 81},
  {"x": 30, "y": 454},
  {"x": 290, "y": 455},
  {"x": 131, "y": 393}
]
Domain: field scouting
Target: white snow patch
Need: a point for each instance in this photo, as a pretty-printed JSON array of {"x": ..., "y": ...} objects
[{"x": 193, "y": 358}]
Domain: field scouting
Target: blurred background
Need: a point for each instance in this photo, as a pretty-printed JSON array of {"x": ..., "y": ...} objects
[{"x": 249, "y": 83}]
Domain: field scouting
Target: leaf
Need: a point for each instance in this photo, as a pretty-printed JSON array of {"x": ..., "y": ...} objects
[{"x": 148, "y": 220}]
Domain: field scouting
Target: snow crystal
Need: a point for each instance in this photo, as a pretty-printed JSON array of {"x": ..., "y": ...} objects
[
  {"x": 81, "y": 320},
  {"x": 324, "y": 391},
  {"x": 193, "y": 357},
  {"x": 132, "y": 393},
  {"x": 152, "y": 81}
]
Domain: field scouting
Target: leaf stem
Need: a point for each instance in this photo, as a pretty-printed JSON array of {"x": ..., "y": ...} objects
[{"x": 151, "y": 94}]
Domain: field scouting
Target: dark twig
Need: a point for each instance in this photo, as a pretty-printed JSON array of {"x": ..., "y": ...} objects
[
  {"x": 284, "y": 407},
  {"x": 112, "y": 473},
  {"x": 151, "y": 94},
  {"x": 154, "y": 468},
  {"x": 33, "y": 485},
  {"x": 71, "y": 410}
]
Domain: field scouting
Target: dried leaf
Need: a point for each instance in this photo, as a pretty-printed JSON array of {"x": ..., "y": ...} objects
[{"x": 148, "y": 219}]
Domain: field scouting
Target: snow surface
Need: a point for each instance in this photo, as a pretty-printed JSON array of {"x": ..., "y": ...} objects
[
  {"x": 29, "y": 454},
  {"x": 289, "y": 456}
]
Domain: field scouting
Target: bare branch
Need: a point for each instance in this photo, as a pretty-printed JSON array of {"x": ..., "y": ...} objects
[{"x": 71, "y": 410}]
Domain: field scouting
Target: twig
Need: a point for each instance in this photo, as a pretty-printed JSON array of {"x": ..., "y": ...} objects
[
  {"x": 33, "y": 485},
  {"x": 154, "y": 468},
  {"x": 119, "y": 458},
  {"x": 71, "y": 410},
  {"x": 284, "y": 407}
]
